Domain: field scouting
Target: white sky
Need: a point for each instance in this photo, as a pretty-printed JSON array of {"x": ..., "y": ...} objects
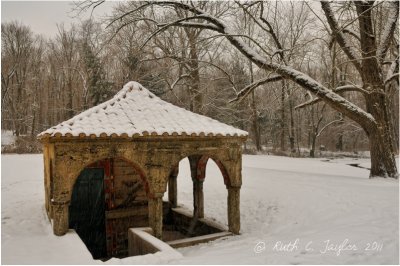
[{"x": 42, "y": 16}]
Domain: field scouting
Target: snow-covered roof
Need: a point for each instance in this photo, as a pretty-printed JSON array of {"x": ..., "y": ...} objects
[{"x": 135, "y": 111}]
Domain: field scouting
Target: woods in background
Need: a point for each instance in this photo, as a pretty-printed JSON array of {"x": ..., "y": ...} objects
[{"x": 47, "y": 81}]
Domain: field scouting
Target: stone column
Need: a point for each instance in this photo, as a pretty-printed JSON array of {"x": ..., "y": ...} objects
[
  {"x": 156, "y": 215},
  {"x": 60, "y": 218},
  {"x": 234, "y": 209},
  {"x": 60, "y": 199},
  {"x": 198, "y": 198},
  {"x": 173, "y": 188}
]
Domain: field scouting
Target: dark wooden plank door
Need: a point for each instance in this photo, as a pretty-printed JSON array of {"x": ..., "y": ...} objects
[{"x": 87, "y": 211}]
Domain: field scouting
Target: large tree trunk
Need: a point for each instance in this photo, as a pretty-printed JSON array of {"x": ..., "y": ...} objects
[
  {"x": 383, "y": 161},
  {"x": 374, "y": 121}
]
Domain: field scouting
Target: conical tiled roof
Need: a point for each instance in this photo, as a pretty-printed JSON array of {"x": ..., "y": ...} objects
[{"x": 135, "y": 111}]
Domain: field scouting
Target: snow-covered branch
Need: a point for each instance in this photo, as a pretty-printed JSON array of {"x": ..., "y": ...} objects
[
  {"x": 392, "y": 77},
  {"x": 199, "y": 26},
  {"x": 310, "y": 102},
  {"x": 388, "y": 31},
  {"x": 129, "y": 13},
  {"x": 175, "y": 82},
  {"x": 393, "y": 72},
  {"x": 337, "y": 90},
  {"x": 182, "y": 23},
  {"x": 330, "y": 97},
  {"x": 249, "y": 88},
  {"x": 337, "y": 33},
  {"x": 261, "y": 22},
  {"x": 272, "y": 33}
]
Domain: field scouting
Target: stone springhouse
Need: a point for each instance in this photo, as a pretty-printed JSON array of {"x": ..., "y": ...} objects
[{"x": 107, "y": 168}]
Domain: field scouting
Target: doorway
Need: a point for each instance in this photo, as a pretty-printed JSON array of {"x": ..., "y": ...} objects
[{"x": 87, "y": 211}]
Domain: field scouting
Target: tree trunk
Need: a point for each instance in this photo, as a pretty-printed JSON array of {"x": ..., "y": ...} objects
[
  {"x": 254, "y": 120},
  {"x": 339, "y": 144},
  {"x": 383, "y": 161},
  {"x": 283, "y": 118},
  {"x": 292, "y": 130},
  {"x": 195, "y": 74},
  {"x": 313, "y": 141},
  {"x": 33, "y": 124},
  {"x": 355, "y": 141},
  {"x": 254, "y": 115}
]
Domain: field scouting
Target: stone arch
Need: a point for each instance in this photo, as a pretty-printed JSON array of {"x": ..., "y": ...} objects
[
  {"x": 142, "y": 176},
  {"x": 109, "y": 185},
  {"x": 134, "y": 165},
  {"x": 198, "y": 164},
  {"x": 201, "y": 166}
]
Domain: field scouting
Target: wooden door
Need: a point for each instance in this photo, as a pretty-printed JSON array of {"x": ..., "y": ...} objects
[{"x": 87, "y": 211}]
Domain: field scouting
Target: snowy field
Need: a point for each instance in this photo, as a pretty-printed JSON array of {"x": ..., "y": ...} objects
[
  {"x": 7, "y": 137},
  {"x": 293, "y": 211}
]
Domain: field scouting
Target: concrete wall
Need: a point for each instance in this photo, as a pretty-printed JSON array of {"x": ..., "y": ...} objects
[{"x": 142, "y": 242}]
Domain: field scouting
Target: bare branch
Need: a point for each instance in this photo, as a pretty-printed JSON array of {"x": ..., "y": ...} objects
[
  {"x": 352, "y": 33},
  {"x": 172, "y": 86},
  {"x": 269, "y": 30},
  {"x": 165, "y": 26},
  {"x": 337, "y": 33},
  {"x": 388, "y": 31},
  {"x": 333, "y": 99},
  {"x": 392, "y": 77},
  {"x": 272, "y": 33},
  {"x": 393, "y": 71},
  {"x": 182, "y": 60},
  {"x": 96, "y": 4},
  {"x": 249, "y": 88},
  {"x": 310, "y": 102},
  {"x": 327, "y": 125},
  {"x": 129, "y": 13},
  {"x": 243, "y": 36}
]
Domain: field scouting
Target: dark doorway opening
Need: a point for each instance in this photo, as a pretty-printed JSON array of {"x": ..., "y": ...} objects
[
  {"x": 108, "y": 198},
  {"x": 87, "y": 211}
]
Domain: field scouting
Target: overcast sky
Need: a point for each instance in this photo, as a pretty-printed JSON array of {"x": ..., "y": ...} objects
[{"x": 42, "y": 16}]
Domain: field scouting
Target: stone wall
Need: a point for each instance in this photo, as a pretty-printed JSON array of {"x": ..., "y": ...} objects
[{"x": 153, "y": 157}]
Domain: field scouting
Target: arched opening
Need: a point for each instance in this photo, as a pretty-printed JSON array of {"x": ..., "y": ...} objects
[
  {"x": 215, "y": 193},
  {"x": 108, "y": 197},
  {"x": 188, "y": 194}
]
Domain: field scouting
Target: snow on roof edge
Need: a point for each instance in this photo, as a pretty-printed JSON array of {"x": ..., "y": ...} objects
[{"x": 132, "y": 90}]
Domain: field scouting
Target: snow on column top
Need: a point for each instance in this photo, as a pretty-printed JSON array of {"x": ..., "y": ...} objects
[{"x": 135, "y": 111}]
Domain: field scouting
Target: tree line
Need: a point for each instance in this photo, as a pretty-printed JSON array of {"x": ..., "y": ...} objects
[{"x": 298, "y": 76}]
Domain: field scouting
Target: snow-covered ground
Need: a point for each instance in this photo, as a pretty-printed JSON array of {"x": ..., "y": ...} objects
[
  {"x": 7, "y": 137},
  {"x": 291, "y": 210}
]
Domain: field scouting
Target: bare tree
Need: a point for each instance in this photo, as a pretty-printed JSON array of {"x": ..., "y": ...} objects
[
  {"x": 18, "y": 50},
  {"x": 374, "y": 119}
]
